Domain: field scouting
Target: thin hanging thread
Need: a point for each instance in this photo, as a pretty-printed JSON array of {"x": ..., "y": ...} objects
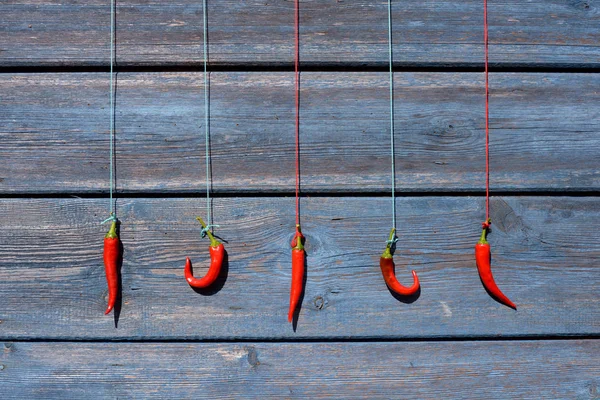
[
  {"x": 392, "y": 144},
  {"x": 206, "y": 115},
  {"x": 487, "y": 115},
  {"x": 297, "y": 90},
  {"x": 112, "y": 206}
]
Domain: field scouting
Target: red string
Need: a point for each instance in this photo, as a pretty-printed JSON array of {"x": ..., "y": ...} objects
[
  {"x": 297, "y": 79},
  {"x": 487, "y": 115}
]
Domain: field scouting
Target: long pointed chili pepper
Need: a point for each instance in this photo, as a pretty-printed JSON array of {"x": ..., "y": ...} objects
[
  {"x": 386, "y": 262},
  {"x": 112, "y": 253},
  {"x": 217, "y": 254},
  {"x": 298, "y": 257},
  {"x": 483, "y": 258}
]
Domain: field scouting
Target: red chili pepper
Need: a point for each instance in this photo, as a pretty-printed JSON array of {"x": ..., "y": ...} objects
[
  {"x": 483, "y": 258},
  {"x": 386, "y": 262},
  {"x": 298, "y": 259},
  {"x": 112, "y": 254},
  {"x": 217, "y": 254}
]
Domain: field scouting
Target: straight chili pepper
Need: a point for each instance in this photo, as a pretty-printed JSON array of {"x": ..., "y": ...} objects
[
  {"x": 217, "y": 254},
  {"x": 483, "y": 259},
  {"x": 298, "y": 260},
  {"x": 112, "y": 253},
  {"x": 386, "y": 262}
]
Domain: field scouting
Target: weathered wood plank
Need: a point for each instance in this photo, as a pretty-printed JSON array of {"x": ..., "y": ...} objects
[
  {"x": 544, "y": 132},
  {"x": 459, "y": 370},
  {"x": 61, "y": 33},
  {"x": 546, "y": 257}
]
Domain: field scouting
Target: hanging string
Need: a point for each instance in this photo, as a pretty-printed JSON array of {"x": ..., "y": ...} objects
[
  {"x": 392, "y": 144},
  {"x": 487, "y": 116},
  {"x": 206, "y": 117},
  {"x": 112, "y": 205},
  {"x": 297, "y": 90}
]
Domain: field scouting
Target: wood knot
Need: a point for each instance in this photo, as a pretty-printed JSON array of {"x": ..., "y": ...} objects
[
  {"x": 252, "y": 356},
  {"x": 319, "y": 302},
  {"x": 441, "y": 134},
  {"x": 583, "y": 5}
]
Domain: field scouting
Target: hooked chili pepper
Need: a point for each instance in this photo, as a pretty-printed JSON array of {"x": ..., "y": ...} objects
[
  {"x": 483, "y": 259},
  {"x": 298, "y": 259},
  {"x": 111, "y": 262},
  {"x": 217, "y": 254},
  {"x": 386, "y": 262}
]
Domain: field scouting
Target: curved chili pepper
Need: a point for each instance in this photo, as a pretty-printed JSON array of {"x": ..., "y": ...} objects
[
  {"x": 217, "y": 253},
  {"x": 111, "y": 262},
  {"x": 483, "y": 259},
  {"x": 386, "y": 262},
  {"x": 298, "y": 259}
]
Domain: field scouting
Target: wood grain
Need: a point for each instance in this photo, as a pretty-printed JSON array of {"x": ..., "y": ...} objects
[
  {"x": 545, "y": 258},
  {"x": 62, "y": 33},
  {"x": 54, "y": 132},
  {"x": 540, "y": 370},
  {"x": 353, "y": 338}
]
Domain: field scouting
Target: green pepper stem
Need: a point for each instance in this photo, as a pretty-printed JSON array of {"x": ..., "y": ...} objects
[
  {"x": 213, "y": 242},
  {"x": 112, "y": 232},
  {"x": 392, "y": 234},
  {"x": 482, "y": 239},
  {"x": 299, "y": 245},
  {"x": 387, "y": 253}
]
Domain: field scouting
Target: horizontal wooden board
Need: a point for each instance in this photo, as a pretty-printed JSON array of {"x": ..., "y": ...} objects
[
  {"x": 154, "y": 32},
  {"x": 460, "y": 370},
  {"x": 545, "y": 258},
  {"x": 54, "y": 129}
]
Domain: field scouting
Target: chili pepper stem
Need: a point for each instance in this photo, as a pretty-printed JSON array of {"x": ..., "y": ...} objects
[
  {"x": 112, "y": 232},
  {"x": 299, "y": 245},
  {"x": 213, "y": 242},
  {"x": 387, "y": 253},
  {"x": 483, "y": 239}
]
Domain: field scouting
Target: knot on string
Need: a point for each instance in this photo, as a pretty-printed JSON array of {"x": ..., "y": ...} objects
[
  {"x": 392, "y": 241},
  {"x": 111, "y": 218},
  {"x": 207, "y": 228},
  {"x": 486, "y": 224}
]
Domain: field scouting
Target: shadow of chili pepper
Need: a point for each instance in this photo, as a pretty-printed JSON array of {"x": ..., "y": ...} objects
[
  {"x": 221, "y": 239},
  {"x": 406, "y": 299},
  {"x": 119, "y": 300},
  {"x": 492, "y": 295},
  {"x": 219, "y": 282},
  {"x": 296, "y": 315}
]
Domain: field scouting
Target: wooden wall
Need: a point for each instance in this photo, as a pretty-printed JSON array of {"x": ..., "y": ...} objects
[{"x": 353, "y": 338}]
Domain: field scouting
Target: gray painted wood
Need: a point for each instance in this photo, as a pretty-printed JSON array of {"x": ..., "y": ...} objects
[
  {"x": 545, "y": 258},
  {"x": 53, "y": 141},
  {"x": 540, "y": 370},
  {"x": 69, "y": 33},
  {"x": 54, "y": 132}
]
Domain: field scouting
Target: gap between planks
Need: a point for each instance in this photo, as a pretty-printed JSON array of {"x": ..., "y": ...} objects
[
  {"x": 312, "y": 67},
  {"x": 332, "y": 339},
  {"x": 305, "y": 194}
]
